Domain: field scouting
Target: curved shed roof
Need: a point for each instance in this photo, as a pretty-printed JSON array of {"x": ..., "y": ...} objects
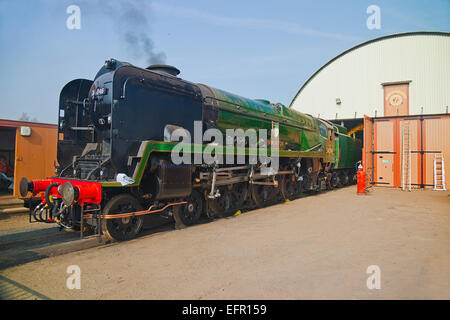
[{"x": 397, "y": 35}]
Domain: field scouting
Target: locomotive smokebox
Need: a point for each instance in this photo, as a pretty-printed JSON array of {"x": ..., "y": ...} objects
[{"x": 164, "y": 68}]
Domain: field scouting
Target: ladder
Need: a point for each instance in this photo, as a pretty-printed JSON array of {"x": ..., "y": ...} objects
[
  {"x": 439, "y": 172},
  {"x": 406, "y": 157}
]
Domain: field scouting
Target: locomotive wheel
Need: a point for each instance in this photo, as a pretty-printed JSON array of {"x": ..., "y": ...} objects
[
  {"x": 125, "y": 228},
  {"x": 343, "y": 179},
  {"x": 221, "y": 205},
  {"x": 192, "y": 210},
  {"x": 263, "y": 195},
  {"x": 239, "y": 195},
  {"x": 346, "y": 178},
  {"x": 334, "y": 180},
  {"x": 289, "y": 187}
]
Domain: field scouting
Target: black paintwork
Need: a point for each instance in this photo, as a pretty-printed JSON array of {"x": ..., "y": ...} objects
[{"x": 136, "y": 106}]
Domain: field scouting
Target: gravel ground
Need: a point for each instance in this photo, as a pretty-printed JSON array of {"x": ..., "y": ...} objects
[{"x": 317, "y": 247}]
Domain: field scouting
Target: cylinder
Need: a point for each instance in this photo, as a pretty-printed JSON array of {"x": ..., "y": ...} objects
[{"x": 361, "y": 185}]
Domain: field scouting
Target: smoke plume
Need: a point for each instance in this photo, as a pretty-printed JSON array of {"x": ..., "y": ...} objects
[
  {"x": 131, "y": 20},
  {"x": 134, "y": 28}
]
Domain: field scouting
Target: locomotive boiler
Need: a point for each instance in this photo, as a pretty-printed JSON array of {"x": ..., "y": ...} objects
[{"x": 116, "y": 136}]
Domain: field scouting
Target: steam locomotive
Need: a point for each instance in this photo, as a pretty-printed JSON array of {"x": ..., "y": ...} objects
[{"x": 116, "y": 135}]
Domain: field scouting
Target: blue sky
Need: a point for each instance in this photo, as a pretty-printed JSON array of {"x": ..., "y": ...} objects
[{"x": 257, "y": 49}]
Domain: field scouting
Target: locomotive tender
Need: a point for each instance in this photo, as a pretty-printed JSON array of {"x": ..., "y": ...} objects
[{"x": 115, "y": 142}]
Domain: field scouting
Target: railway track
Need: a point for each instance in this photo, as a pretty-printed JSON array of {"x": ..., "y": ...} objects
[{"x": 21, "y": 242}]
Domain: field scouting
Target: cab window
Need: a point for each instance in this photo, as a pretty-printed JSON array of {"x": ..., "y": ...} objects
[{"x": 323, "y": 130}]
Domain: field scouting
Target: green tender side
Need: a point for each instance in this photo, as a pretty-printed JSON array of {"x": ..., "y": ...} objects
[
  {"x": 340, "y": 129},
  {"x": 349, "y": 152}
]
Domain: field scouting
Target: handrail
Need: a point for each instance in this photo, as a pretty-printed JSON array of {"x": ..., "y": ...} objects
[{"x": 137, "y": 213}]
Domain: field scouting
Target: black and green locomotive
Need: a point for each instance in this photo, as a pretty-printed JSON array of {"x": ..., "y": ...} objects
[{"x": 117, "y": 133}]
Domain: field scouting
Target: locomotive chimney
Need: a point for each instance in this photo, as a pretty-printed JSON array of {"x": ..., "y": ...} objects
[{"x": 164, "y": 68}]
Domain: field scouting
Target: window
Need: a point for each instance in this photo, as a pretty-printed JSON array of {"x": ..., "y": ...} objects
[{"x": 323, "y": 130}]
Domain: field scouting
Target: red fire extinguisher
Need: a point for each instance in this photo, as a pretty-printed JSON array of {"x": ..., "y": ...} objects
[{"x": 361, "y": 176}]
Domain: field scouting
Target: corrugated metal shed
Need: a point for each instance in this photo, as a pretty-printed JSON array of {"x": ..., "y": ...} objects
[{"x": 351, "y": 84}]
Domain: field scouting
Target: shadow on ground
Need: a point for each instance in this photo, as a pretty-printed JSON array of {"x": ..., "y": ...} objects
[{"x": 12, "y": 290}]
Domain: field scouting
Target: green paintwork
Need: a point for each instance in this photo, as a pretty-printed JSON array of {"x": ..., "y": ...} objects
[
  {"x": 340, "y": 129},
  {"x": 336, "y": 147},
  {"x": 348, "y": 152},
  {"x": 298, "y": 131}
]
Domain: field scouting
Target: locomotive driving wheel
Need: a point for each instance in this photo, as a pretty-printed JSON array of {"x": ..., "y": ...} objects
[
  {"x": 263, "y": 195},
  {"x": 190, "y": 213},
  {"x": 122, "y": 228},
  {"x": 239, "y": 195},
  {"x": 222, "y": 204},
  {"x": 289, "y": 187}
]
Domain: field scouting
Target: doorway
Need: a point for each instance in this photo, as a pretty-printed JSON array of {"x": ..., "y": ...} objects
[
  {"x": 7, "y": 154},
  {"x": 396, "y": 99},
  {"x": 384, "y": 153}
]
